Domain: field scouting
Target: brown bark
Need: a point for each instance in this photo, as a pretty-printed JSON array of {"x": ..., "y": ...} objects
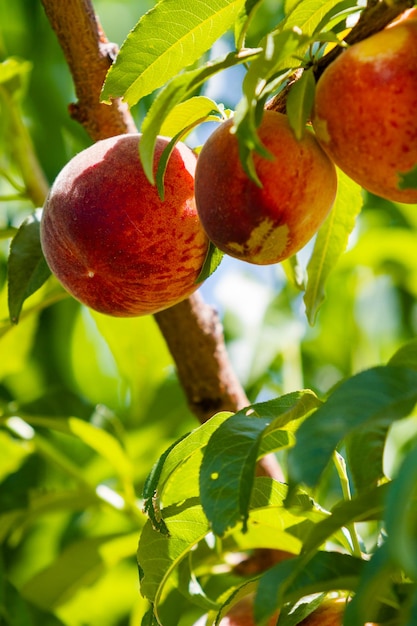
[
  {"x": 89, "y": 55},
  {"x": 191, "y": 329}
]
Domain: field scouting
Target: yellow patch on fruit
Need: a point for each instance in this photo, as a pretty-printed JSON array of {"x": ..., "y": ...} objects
[
  {"x": 266, "y": 243},
  {"x": 385, "y": 44}
]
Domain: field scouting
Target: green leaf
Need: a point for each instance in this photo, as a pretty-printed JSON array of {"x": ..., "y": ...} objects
[
  {"x": 300, "y": 102},
  {"x": 211, "y": 263},
  {"x": 170, "y": 37},
  {"x": 368, "y": 506},
  {"x": 27, "y": 268},
  {"x": 367, "y": 443},
  {"x": 271, "y": 66},
  {"x": 159, "y": 554},
  {"x": 291, "y": 580},
  {"x": 97, "y": 439},
  {"x": 373, "y": 588},
  {"x": 309, "y": 14},
  {"x": 14, "y": 77},
  {"x": 228, "y": 468},
  {"x": 228, "y": 471},
  {"x": 401, "y": 516},
  {"x": 406, "y": 355},
  {"x": 408, "y": 180},
  {"x": 188, "y": 113},
  {"x": 163, "y": 472},
  {"x": 331, "y": 242},
  {"x": 176, "y": 91},
  {"x": 379, "y": 395},
  {"x": 79, "y": 565}
]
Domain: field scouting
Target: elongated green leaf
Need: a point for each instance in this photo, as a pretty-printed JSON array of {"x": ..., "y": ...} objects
[
  {"x": 374, "y": 586},
  {"x": 367, "y": 506},
  {"x": 178, "y": 454},
  {"x": 406, "y": 356},
  {"x": 291, "y": 580},
  {"x": 367, "y": 443},
  {"x": 173, "y": 35},
  {"x": 331, "y": 242},
  {"x": 211, "y": 262},
  {"x": 159, "y": 554},
  {"x": 380, "y": 395},
  {"x": 99, "y": 440},
  {"x": 176, "y": 91},
  {"x": 77, "y": 566},
  {"x": 14, "y": 76},
  {"x": 401, "y": 516},
  {"x": 188, "y": 113},
  {"x": 27, "y": 268},
  {"x": 308, "y": 15},
  {"x": 228, "y": 471},
  {"x": 300, "y": 102},
  {"x": 228, "y": 468}
]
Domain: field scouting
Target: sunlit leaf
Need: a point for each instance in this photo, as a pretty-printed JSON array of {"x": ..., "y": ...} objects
[
  {"x": 159, "y": 554},
  {"x": 331, "y": 242},
  {"x": 170, "y": 37},
  {"x": 14, "y": 75},
  {"x": 228, "y": 468},
  {"x": 300, "y": 102},
  {"x": 406, "y": 355},
  {"x": 380, "y": 395},
  {"x": 176, "y": 91},
  {"x": 187, "y": 113},
  {"x": 27, "y": 268},
  {"x": 78, "y": 565},
  {"x": 366, "y": 443},
  {"x": 367, "y": 506},
  {"x": 401, "y": 516},
  {"x": 308, "y": 15},
  {"x": 211, "y": 263},
  {"x": 375, "y": 585}
]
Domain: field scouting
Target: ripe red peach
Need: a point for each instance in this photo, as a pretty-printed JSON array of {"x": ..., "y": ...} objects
[
  {"x": 365, "y": 110},
  {"x": 264, "y": 224},
  {"x": 111, "y": 241}
]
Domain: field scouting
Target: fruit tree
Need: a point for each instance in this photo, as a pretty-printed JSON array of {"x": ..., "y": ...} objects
[{"x": 208, "y": 283}]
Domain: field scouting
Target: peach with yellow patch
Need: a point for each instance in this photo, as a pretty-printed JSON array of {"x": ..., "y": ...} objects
[{"x": 268, "y": 223}]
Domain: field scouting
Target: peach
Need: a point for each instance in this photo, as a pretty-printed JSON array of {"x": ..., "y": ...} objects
[
  {"x": 264, "y": 224},
  {"x": 329, "y": 613},
  {"x": 364, "y": 112},
  {"x": 111, "y": 241}
]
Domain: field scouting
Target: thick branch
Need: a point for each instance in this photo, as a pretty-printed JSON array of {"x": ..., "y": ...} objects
[
  {"x": 89, "y": 55},
  {"x": 191, "y": 329}
]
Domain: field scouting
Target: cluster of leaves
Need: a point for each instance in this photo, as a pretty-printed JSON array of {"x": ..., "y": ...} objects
[{"x": 205, "y": 501}]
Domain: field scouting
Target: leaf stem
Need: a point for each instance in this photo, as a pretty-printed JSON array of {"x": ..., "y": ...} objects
[{"x": 340, "y": 465}]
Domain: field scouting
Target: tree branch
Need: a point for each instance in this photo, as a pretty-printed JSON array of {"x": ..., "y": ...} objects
[{"x": 191, "y": 329}]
